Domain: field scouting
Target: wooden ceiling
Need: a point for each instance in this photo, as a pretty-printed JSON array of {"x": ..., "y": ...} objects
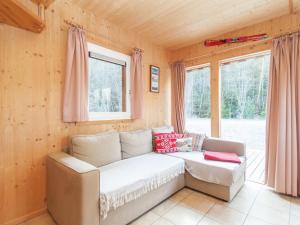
[{"x": 177, "y": 23}]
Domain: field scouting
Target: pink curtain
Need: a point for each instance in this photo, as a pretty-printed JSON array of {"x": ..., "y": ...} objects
[
  {"x": 178, "y": 87},
  {"x": 75, "y": 108},
  {"x": 137, "y": 85},
  {"x": 283, "y": 118}
]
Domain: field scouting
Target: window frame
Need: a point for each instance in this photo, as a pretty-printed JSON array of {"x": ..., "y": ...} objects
[{"x": 100, "y": 116}]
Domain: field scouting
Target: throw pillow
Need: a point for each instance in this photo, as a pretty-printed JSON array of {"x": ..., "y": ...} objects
[
  {"x": 198, "y": 140},
  {"x": 165, "y": 142},
  {"x": 184, "y": 144}
]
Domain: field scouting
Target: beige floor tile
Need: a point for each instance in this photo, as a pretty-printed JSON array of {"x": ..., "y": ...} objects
[
  {"x": 240, "y": 204},
  {"x": 274, "y": 200},
  {"x": 249, "y": 191},
  {"x": 294, "y": 220},
  {"x": 180, "y": 215},
  {"x": 198, "y": 202},
  {"x": 44, "y": 219},
  {"x": 164, "y": 207},
  {"x": 226, "y": 215},
  {"x": 295, "y": 207},
  {"x": 250, "y": 220},
  {"x": 163, "y": 221},
  {"x": 146, "y": 219},
  {"x": 208, "y": 221},
  {"x": 269, "y": 214},
  {"x": 182, "y": 194}
]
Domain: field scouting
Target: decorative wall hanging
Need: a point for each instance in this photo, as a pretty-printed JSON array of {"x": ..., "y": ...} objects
[
  {"x": 154, "y": 78},
  {"x": 256, "y": 37}
]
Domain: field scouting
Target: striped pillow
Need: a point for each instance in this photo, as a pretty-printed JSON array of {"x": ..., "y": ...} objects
[{"x": 198, "y": 140}]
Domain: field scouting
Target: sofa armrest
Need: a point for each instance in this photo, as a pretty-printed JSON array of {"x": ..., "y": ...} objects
[
  {"x": 72, "y": 190},
  {"x": 221, "y": 145}
]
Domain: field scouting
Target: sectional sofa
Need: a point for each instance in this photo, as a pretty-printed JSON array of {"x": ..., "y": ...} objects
[{"x": 113, "y": 178}]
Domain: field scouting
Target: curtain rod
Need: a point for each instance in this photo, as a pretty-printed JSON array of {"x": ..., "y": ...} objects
[
  {"x": 187, "y": 60},
  {"x": 70, "y": 23}
]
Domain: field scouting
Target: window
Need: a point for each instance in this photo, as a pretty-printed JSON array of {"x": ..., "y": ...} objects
[
  {"x": 244, "y": 86},
  {"x": 109, "y": 78},
  {"x": 197, "y": 100}
]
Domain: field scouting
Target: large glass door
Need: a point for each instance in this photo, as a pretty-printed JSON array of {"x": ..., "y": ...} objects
[{"x": 244, "y": 84}]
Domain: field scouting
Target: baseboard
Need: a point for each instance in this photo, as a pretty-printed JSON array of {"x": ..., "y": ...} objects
[{"x": 26, "y": 217}]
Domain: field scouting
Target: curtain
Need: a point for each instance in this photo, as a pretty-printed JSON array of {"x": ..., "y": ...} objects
[
  {"x": 75, "y": 107},
  {"x": 137, "y": 85},
  {"x": 283, "y": 116},
  {"x": 178, "y": 89}
]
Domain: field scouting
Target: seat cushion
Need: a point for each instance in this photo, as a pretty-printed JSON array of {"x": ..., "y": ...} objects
[
  {"x": 127, "y": 180},
  {"x": 97, "y": 149},
  {"x": 223, "y": 173},
  {"x": 136, "y": 143}
]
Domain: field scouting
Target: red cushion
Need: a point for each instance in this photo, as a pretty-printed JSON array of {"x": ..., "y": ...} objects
[
  {"x": 166, "y": 142},
  {"x": 222, "y": 156}
]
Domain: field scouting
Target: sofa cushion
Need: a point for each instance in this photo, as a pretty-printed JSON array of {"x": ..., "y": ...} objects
[
  {"x": 165, "y": 142},
  {"x": 136, "y": 143},
  {"x": 223, "y": 173},
  {"x": 163, "y": 129},
  {"x": 97, "y": 149},
  {"x": 129, "y": 179}
]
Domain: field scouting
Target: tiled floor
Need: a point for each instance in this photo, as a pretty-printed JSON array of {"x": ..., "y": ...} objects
[{"x": 254, "y": 205}]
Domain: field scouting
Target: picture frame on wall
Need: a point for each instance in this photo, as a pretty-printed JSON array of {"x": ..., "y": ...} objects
[{"x": 154, "y": 78}]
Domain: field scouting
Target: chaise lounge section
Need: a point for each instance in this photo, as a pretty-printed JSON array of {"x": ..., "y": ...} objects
[{"x": 113, "y": 178}]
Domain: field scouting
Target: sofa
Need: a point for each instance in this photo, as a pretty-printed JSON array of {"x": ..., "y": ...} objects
[{"x": 112, "y": 178}]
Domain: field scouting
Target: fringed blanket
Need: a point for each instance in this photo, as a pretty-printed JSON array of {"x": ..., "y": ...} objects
[{"x": 129, "y": 179}]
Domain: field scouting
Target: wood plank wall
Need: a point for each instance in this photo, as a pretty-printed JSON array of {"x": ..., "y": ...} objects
[
  {"x": 32, "y": 68},
  {"x": 198, "y": 54}
]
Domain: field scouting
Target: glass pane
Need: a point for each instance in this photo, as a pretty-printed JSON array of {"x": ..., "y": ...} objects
[
  {"x": 197, "y": 100},
  {"x": 105, "y": 86},
  {"x": 244, "y": 86}
]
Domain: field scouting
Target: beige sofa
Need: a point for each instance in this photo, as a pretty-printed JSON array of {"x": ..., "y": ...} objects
[{"x": 113, "y": 178}]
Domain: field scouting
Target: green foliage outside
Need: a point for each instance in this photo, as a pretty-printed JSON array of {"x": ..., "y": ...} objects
[
  {"x": 105, "y": 86},
  {"x": 244, "y": 86}
]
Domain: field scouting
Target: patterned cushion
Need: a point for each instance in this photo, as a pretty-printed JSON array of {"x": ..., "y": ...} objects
[
  {"x": 184, "y": 144},
  {"x": 198, "y": 140},
  {"x": 166, "y": 142}
]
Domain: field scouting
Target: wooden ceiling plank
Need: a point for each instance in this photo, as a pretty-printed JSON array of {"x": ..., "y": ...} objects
[{"x": 15, "y": 14}]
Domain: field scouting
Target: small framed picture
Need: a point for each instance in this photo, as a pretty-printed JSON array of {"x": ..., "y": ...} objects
[{"x": 154, "y": 78}]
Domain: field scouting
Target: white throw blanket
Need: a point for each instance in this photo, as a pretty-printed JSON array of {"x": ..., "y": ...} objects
[
  {"x": 127, "y": 180},
  {"x": 224, "y": 173}
]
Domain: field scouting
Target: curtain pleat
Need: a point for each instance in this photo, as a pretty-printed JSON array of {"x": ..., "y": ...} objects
[
  {"x": 137, "y": 85},
  {"x": 283, "y": 117},
  {"x": 178, "y": 77},
  {"x": 75, "y": 107}
]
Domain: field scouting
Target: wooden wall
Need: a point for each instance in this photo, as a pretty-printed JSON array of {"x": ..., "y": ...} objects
[
  {"x": 198, "y": 54},
  {"x": 32, "y": 68}
]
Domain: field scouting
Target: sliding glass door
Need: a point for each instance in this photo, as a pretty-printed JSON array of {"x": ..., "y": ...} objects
[{"x": 244, "y": 84}]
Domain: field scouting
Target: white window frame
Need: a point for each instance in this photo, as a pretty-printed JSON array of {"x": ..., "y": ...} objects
[{"x": 94, "y": 116}]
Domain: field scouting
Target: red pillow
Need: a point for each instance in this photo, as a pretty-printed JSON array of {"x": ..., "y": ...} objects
[{"x": 166, "y": 142}]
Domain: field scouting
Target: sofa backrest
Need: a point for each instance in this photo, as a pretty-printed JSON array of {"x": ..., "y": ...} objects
[
  {"x": 97, "y": 149},
  {"x": 135, "y": 143}
]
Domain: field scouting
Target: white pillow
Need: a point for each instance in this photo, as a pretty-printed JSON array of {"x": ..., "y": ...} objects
[{"x": 97, "y": 149}]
